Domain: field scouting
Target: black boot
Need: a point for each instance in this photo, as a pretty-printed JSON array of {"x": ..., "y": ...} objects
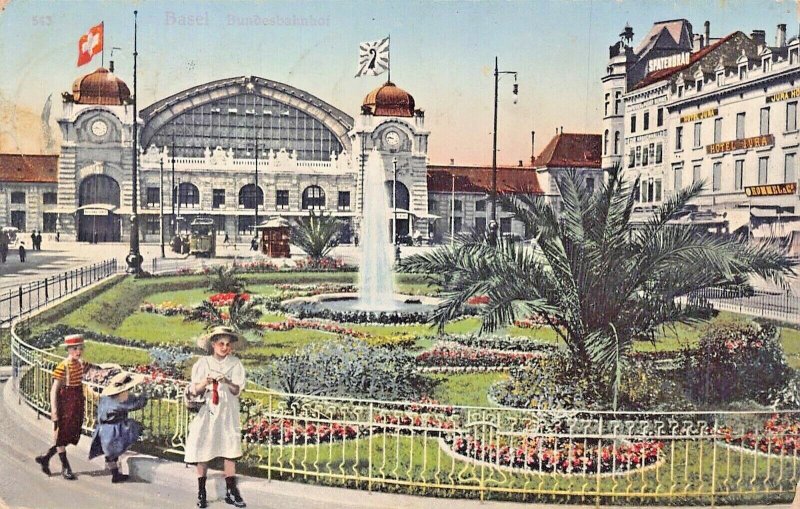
[
  {"x": 66, "y": 470},
  {"x": 232, "y": 495},
  {"x": 44, "y": 460},
  {"x": 201, "y": 492},
  {"x": 117, "y": 476}
]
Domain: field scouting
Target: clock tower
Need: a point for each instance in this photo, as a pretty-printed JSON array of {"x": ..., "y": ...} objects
[
  {"x": 390, "y": 136},
  {"x": 94, "y": 169}
]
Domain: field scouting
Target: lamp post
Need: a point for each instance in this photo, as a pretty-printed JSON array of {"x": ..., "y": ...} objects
[
  {"x": 255, "y": 225},
  {"x": 174, "y": 190},
  {"x": 134, "y": 258},
  {"x": 394, "y": 211},
  {"x": 161, "y": 202},
  {"x": 497, "y": 74}
]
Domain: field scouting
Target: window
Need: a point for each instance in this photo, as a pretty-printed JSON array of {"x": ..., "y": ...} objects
[
  {"x": 480, "y": 224},
  {"x": 677, "y": 178},
  {"x": 616, "y": 142},
  {"x": 659, "y": 155},
  {"x": 697, "y": 132},
  {"x": 698, "y": 85},
  {"x": 18, "y": 197},
  {"x": 251, "y": 196},
  {"x": 617, "y": 102},
  {"x": 632, "y": 158},
  {"x": 649, "y": 194},
  {"x": 793, "y": 56},
  {"x": 505, "y": 225},
  {"x": 764, "y": 123},
  {"x": 717, "y": 130},
  {"x": 740, "y": 126},
  {"x": 680, "y": 90},
  {"x": 763, "y": 169},
  {"x": 646, "y": 121},
  {"x": 313, "y": 198},
  {"x": 657, "y": 184},
  {"x": 343, "y": 203},
  {"x": 608, "y": 102},
  {"x": 49, "y": 198},
  {"x": 788, "y": 168},
  {"x": 219, "y": 223},
  {"x": 457, "y": 224},
  {"x": 480, "y": 206},
  {"x": 660, "y": 117},
  {"x": 18, "y": 219},
  {"x": 633, "y": 123},
  {"x": 605, "y": 143},
  {"x": 720, "y": 78},
  {"x": 679, "y": 138},
  {"x": 49, "y": 222},
  {"x": 738, "y": 174},
  {"x": 152, "y": 224},
  {"x": 791, "y": 116},
  {"x": 716, "y": 177},
  {"x": 457, "y": 206},
  {"x": 638, "y": 156},
  {"x": 245, "y": 225},
  {"x": 281, "y": 199},
  {"x": 645, "y": 156},
  {"x": 153, "y": 196},
  {"x": 765, "y": 65},
  {"x": 695, "y": 173},
  {"x": 433, "y": 206},
  {"x": 188, "y": 195},
  {"x": 218, "y": 198},
  {"x": 742, "y": 71},
  {"x": 590, "y": 184}
]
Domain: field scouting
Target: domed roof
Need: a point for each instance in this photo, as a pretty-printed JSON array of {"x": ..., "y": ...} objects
[
  {"x": 100, "y": 87},
  {"x": 389, "y": 100}
]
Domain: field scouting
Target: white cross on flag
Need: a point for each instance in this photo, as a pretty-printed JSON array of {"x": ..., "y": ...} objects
[
  {"x": 373, "y": 58},
  {"x": 90, "y": 44}
]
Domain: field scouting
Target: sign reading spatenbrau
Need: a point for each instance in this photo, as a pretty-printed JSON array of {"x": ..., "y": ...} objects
[
  {"x": 700, "y": 115},
  {"x": 783, "y": 96},
  {"x": 744, "y": 143},
  {"x": 772, "y": 189}
]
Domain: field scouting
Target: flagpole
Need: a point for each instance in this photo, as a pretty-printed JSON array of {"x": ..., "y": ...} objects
[
  {"x": 103, "y": 51},
  {"x": 389, "y": 56}
]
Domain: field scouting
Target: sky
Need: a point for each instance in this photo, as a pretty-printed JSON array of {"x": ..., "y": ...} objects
[{"x": 441, "y": 52}]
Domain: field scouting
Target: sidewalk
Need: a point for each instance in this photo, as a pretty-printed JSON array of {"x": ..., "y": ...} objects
[{"x": 171, "y": 484}]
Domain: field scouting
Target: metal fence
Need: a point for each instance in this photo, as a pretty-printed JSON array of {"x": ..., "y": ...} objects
[
  {"x": 489, "y": 453},
  {"x": 32, "y": 296},
  {"x": 784, "y": 307}
]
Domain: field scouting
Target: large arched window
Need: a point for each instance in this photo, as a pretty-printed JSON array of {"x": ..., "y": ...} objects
[
  {"x": 249, "y": 195},
  {"x": 98, "y": 189},
  {"x": 616, "y": 142},
  {"x": 313, "y": 198},
  {"x": 403, "y": 198},
  {"x": 605, "y": 143},
  {"x": 187, "y": 195}
]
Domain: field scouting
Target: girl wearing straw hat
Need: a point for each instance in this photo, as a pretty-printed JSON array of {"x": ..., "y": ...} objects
[
  {"x": 115, "y": 432},
  {"x": 216, "y": 431},
  {"x": 66, "y": 405}
]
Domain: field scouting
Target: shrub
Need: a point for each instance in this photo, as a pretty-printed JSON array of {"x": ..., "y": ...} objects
[
  {"x": 495, "y": 342},
  {"x": 462, "y": 357},
  {"x": 736, "y": 360},
  {"x": 224, "y": 279}
]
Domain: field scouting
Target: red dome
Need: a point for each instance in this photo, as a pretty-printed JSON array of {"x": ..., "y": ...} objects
[
  {"x": 389, "y": 101},
  {"x": 100, "y": 87}
]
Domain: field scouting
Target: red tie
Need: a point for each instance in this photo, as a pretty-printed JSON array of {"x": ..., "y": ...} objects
[{"x": 215, "y": 393}]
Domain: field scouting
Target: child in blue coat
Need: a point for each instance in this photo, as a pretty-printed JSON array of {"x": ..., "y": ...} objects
[{"x": 115, "y": 432}]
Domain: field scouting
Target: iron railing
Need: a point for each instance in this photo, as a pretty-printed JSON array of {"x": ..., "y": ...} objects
[{"x": 783, "y": 307}]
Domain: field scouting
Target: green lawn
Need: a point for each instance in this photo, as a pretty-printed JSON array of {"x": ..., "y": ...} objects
[
  {"x": 468, "y": 389},
  {"x": 157, "y": 329},
  {"x": 97, "y": 353}
]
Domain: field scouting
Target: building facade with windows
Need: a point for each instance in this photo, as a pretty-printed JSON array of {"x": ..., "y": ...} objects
[
  {"x": 28, "y": 196},
  {"x": 718, "y": 110}
]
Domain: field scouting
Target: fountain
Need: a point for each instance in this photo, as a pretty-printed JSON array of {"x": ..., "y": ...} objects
[{"x": 377, "y": 300}]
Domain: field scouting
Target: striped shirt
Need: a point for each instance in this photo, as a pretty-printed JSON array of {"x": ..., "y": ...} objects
[{"x": 71, "y": 373}]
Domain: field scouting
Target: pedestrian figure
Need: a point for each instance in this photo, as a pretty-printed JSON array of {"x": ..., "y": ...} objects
[
  {"x": 226, "y": 239},
  {"x": 66, "y": 406},
  {"x": 38, "y": 241},
  {"x": 22, "y": 252},
  {"x": 58, "y": 236},
  {"x": 3, "y": 247},
  {"x": 216, "y": 430},
  {"x": 33, "y": 239},
  {"x": 115, "y": 432},
  {"x": 254, "y": 244},
  {"x": 355, "y": 239}
]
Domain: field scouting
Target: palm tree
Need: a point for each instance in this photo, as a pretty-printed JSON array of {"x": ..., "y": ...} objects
[
  {"x": 316, "y": 234},
  {"x": 242, "y": 314},
  {"x": 600, "y": 280}
]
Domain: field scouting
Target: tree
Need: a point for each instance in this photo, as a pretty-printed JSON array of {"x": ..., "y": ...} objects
[
  {"x": 224, "y": 279},
  {"x": 316, "y": 234},
  {"x": 600, "y": 280},
  {"x": 242, "y": 314}
]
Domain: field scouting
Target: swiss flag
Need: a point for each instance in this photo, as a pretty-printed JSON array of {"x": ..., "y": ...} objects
[{"x": 90, "y": 44}]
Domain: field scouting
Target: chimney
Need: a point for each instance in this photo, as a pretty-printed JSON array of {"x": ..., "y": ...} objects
[
  {"x": 111, "y": 62},
  {"x": 780, "y": 36},
  {"x": 562, "y": 129},
  {"x": 533, "y": 146},
  {"x": 707, "y": 26},
  {"x": 759, "y": 37},
  {"x": 697, "y": 43},
  {"x": 452, "y": 162}
]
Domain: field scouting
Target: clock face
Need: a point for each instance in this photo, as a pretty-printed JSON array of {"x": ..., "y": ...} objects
[
  {"x": 392, "y": 139},
  {"x": 99, "y": 128}
]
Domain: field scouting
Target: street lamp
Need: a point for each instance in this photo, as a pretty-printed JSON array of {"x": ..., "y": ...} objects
[
  {"x": 134, "y": 258},
  {"x": 394, "y": 212},
  {"x": 515, "y": 91},
  {"x": 161, "y": 201}
]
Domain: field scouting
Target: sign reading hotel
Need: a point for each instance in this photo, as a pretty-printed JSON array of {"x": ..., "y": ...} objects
[
  {"x": 742, "y": 144},
  {"x": 783, "y": 96},
  {"x": 95, "y": 212},
  {"x": 657, "y": 64},
  {"x": 700, "y": 115},
  {"x": 771, "y": 190}
]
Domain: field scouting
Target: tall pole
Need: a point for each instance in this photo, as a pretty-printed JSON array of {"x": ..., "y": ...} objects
[
  {"x": 174, "y": 193},
  {"x": 161, "y": 203},
  {"x": 134, "y": 258},
  {"x": 494, "y": 146},
  {"x": 256, "y": 190},
  {"x": 394, "y": 201},
  {"x": 453, "y": 209}
]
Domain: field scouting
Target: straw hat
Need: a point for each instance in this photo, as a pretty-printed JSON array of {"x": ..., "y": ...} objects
[
  {"x": 204, "y": 342},
  {"x": 122, "y": 382},
  {"x": 73, "y": 340}
]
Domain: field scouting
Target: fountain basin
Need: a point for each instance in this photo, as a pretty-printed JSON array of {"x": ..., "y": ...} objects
[{"x": 347, "y": 307}]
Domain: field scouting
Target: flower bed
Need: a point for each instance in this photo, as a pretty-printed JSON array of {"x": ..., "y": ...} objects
[
  {"x": 779, "y": 436},
  {"x": 473, "y": 358},
  {"x": 558, "y": 455},
  {"x": 287, "y": 431},
  {"x": 494, "y": 342},
  {"x": 307, "y": 290},
  {"x": 326, "y": 263},
  {"x": 226, "y": 299},
  {"x": 310, "y": 324},
  {"x": 360, "y": 317},
  {"x": 537, "y": 321},
  {"x": 166, "y": 308}
]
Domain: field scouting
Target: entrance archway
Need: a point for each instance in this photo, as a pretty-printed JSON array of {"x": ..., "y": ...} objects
[
  {"x": 403, "y": 204},
  {"x": 98, "y": 223}
]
